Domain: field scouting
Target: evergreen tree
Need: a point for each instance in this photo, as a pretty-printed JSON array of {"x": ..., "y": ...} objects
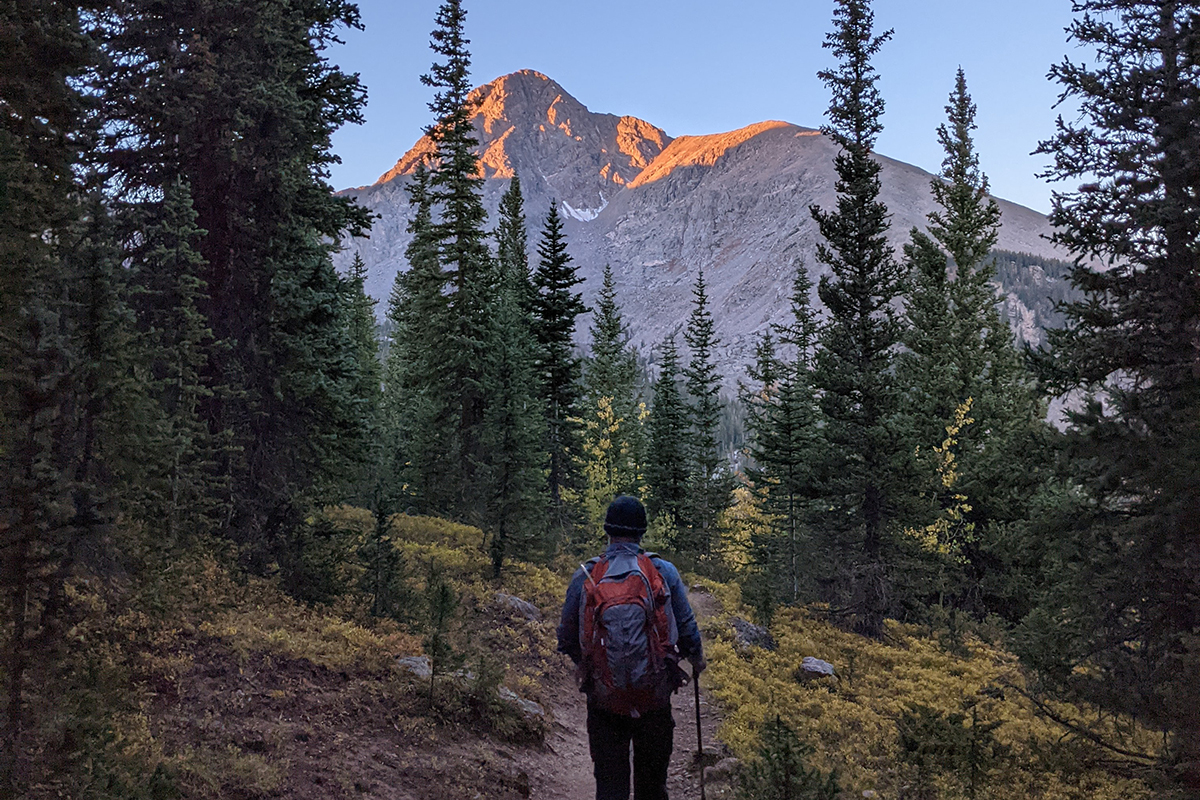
[
  {"x": 418, "y": 404},
  {"x": 709, "y": 483},
  {"x": 383, "y": 575},
  {"x": 960, "y": 350},
  {"x": 780, "y": 771},
  {"x": 1119, "y": 617},
  {"x": 514, "y": 423},
  {"x": 244, "y": 115},
  {"x": 666, "y": 464},
  {"x": 48, "y": 498},
  {"x": 512, "y": 241},
  {"x": 441, "y": 607},
  {"x": 854, "y": 365},
  {"x": 456, "y": 191},
  {"x": 366, "y": 380},
  {"x": 783, "y": 419},
  {"x": 612, "y": 372},
  {"x": 183, "y": 483},
  {"x": 559, "y": 369},
  {"x": 960, "y": 346}
]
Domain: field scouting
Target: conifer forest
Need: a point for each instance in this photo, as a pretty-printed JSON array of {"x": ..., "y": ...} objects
[{"x": 236, "y": 496}]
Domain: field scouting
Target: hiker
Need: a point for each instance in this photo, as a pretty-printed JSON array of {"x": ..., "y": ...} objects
[{"x": 626, "y": 624}]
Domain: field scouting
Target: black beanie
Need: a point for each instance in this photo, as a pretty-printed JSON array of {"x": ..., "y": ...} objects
[{"x": 626, "y": 517}]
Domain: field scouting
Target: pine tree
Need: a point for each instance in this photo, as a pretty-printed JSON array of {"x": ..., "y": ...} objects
[
  {"x": 709, "y": 483},
  {"x": 859, "y": 398},
  {"x": 667, "y": 463},
  {"x": 612, "y": 372},
  {"x": 514, "y": 423},
  {"x": 441, "y": 607},
  {"x": 456, "y": 190},
  {"x": 418, "y": 403},
  {"x": 1118, "y": 620},
  {"x": 783, "y": 420},
  {"x": 183, "y": 482},
  {"x": 512, "y": 241},
  {"x": 959, "y": 350},
  {"x": 366, "y": 380},
  {"x": 45, "y": 507},
  {"x": 780, "y": 771},
  {"x": 244, "y": 115},
  {"x": 559, "y": 369}
]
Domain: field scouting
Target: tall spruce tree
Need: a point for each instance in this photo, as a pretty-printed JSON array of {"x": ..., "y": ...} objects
[
  {"x": 854, "y": 365},
  {"x": 367, "y": 379},
  {"x": 559, "y": 369},
  {"x": 418, "y": 405},
  {"x": 244, "y": 114},
  {"x": 783, "y": 421},
  {"x": 612, "y": 372},
  {"x": 959, "y": 349},
  {"x": 1119, "y": 617},
  {"x": 46, "y": 510},
  {"x": 183, "y": 484},
  {"x": 612, "y": 451},
  {"x": 514, "y": 424},
  {"x": 709, "y": 482},
  {"x": 456, "y": 190},
  {"x": 512, "y": 241},
  {"x": 667, "y": 461}
]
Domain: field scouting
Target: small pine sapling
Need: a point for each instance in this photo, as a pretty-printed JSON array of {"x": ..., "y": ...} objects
[
  {"x": 780, "y": 771},
  {"x": 441, "y": 603}
]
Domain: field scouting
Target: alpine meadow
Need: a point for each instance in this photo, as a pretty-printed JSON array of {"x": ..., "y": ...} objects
[{"x": 294, "y": 479}]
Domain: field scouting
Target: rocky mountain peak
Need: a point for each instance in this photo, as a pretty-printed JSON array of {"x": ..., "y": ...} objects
[{"x": 530, "y": 126}]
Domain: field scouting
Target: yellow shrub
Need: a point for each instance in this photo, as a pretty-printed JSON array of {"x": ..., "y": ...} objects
[
  {"x": 851, "y": 721},
  {"x": 431, "y": 530}
]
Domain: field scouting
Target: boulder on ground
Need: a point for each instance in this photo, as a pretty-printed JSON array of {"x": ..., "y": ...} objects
[
  {"x": 528, "y": 707},
  {"x": 747, "y": 634},
  {"x": 723, "y": 771},
  {"x": 523, "y": 607},
  {"x": 417, "y": 665},
  {"x": 814, "y": 668}
]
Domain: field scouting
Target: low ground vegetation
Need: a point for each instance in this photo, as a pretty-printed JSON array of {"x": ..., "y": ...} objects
[{"x": 914, "y": 715}]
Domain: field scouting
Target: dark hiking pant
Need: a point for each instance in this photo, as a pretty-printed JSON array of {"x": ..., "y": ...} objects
[{"x": 609, "y": 737}]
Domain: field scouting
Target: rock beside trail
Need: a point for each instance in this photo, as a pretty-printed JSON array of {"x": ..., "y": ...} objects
[
  {"x": 522, "y": 607},
  {"x": 420, "y": 668},
  {"x": 723, "y": 771},
  {"x": 417, "y": 665},
  {"x": 747, "y": 634},
  {"x": 528, "y": 707}
]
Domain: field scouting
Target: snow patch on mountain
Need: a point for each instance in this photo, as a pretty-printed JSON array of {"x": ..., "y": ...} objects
[{"x": 583, "y": 214}]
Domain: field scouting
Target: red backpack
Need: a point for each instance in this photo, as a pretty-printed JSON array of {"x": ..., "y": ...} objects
[{"x": 628, "y": 635}]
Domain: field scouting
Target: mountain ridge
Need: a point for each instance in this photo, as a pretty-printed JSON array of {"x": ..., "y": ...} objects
[{"x": 658, "y": 208}]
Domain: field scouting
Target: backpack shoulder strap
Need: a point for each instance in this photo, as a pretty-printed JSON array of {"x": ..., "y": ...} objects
[
  {"x": 590, "y": 568},
  {"x": 652, "y": 573}
]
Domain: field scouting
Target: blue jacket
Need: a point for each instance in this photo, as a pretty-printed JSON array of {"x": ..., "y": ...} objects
[{"x": 685, "y": 620}]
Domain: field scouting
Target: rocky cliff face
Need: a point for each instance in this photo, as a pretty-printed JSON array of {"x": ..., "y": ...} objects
[{"x": 735, "y": 205}]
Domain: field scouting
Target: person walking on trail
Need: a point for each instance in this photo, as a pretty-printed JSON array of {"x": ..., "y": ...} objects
[{"x": 626, "y": 624}]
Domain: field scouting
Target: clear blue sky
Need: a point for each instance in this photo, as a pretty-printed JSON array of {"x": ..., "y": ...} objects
[{"x": 706, "y": 66}]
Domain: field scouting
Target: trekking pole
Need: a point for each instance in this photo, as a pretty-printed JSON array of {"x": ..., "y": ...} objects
[{"x": 699, "y": 735}]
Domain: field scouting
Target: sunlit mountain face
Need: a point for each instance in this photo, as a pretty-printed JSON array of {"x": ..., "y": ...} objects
[{"x": 659, "y": 209}]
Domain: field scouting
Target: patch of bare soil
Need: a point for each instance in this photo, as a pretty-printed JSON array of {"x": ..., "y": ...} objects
[
  {"x": 275, "y": 727},
  {"x": 265, "y": 725}
]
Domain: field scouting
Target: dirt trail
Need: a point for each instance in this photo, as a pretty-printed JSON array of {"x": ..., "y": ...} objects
[{"x": 564, "y": 770}]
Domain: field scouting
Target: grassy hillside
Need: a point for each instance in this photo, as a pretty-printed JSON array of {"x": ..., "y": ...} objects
[
  {"x": 908, "y": 717},
  {"x": 202, "y": 682}
]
